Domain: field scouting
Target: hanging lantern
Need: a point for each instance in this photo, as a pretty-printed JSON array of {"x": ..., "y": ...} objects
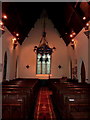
[{"x": 43, "y": 47}]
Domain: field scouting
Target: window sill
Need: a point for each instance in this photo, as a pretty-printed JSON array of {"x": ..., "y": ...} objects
[{"x": 43, "y": 74}]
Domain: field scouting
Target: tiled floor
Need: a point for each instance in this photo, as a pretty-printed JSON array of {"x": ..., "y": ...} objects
[{"x": 44, "y": 108}]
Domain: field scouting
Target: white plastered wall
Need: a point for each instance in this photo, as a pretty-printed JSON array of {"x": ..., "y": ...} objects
[
  {"x": 28, "y": 56},
  {"x": 7, "y": 46},
  {"x": 81, "y": 53}
]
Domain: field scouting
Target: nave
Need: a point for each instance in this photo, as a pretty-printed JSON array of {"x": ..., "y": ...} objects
[
  {"x": 44, "y": 60},
  {"x": 56, "y": 99},
  {"x": 44, "y": 108}
]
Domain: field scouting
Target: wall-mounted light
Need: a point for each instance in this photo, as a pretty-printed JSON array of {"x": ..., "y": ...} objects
[
  {"x": 72, "y": 40},
  {"x": 15, "y": 42},
  {"x": 1, "y": 23},
  {"x": 17, "y": 34},
  {"x": 87, "y": 24},
  {"x": 73, "y": 43},
  {"x": 4, "y": 16},
  {"x": 1, "y": 27},
  {"x": 84, "y": 18},
  {"x": 74, "y": 33},
  {"x": 87, "y": 29},
  {"x": 71, "y": 35}
]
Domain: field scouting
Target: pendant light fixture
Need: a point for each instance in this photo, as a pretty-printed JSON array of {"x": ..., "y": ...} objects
[{"x": 43, "y": 47}]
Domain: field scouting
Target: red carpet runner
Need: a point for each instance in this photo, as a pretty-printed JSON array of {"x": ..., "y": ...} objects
[{"x": 44, "y": 108}]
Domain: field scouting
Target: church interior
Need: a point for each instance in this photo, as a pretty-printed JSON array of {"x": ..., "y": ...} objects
[{"x": 44, "y": 70}]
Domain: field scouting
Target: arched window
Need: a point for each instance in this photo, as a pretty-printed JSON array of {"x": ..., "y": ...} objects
[
  {"x": 5, "y": 67},
  {"x": 16, "y": 67},
  {"x": 43, "y": 64},
  {"x": 83, "y": 72}
]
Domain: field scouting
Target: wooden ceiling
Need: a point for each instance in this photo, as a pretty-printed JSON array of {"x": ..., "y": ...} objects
[{"x": 66, "y": 16}]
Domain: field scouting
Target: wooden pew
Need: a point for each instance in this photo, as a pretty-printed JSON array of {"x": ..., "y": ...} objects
[
  {"x": 75, "y": 106},
  {"x": 18, "y": 96},
  {"x": 14, "y": 102},
  {"x": 62, "y": 93}
]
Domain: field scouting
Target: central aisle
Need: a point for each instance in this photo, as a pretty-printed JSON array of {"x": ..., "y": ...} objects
[{"x": 44, "y": 108}]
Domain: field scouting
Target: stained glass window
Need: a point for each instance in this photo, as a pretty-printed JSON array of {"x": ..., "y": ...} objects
[{"x": 43, "y": 64}]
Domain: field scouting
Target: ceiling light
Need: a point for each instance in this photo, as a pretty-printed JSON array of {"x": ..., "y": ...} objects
[
  {"x": 74, "y": 33},
  {"x": 4, "y": 16},
  {"x": 84, "y": 18},
  {"x": 1, "y": 23},
  {"x": 71, "y": 35},
  {"x": 72, "y": 40},
  {"x": 1, "y": 26},
  {"x": 17, "y": 34},
  {"x": 87, "y": 24}
]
